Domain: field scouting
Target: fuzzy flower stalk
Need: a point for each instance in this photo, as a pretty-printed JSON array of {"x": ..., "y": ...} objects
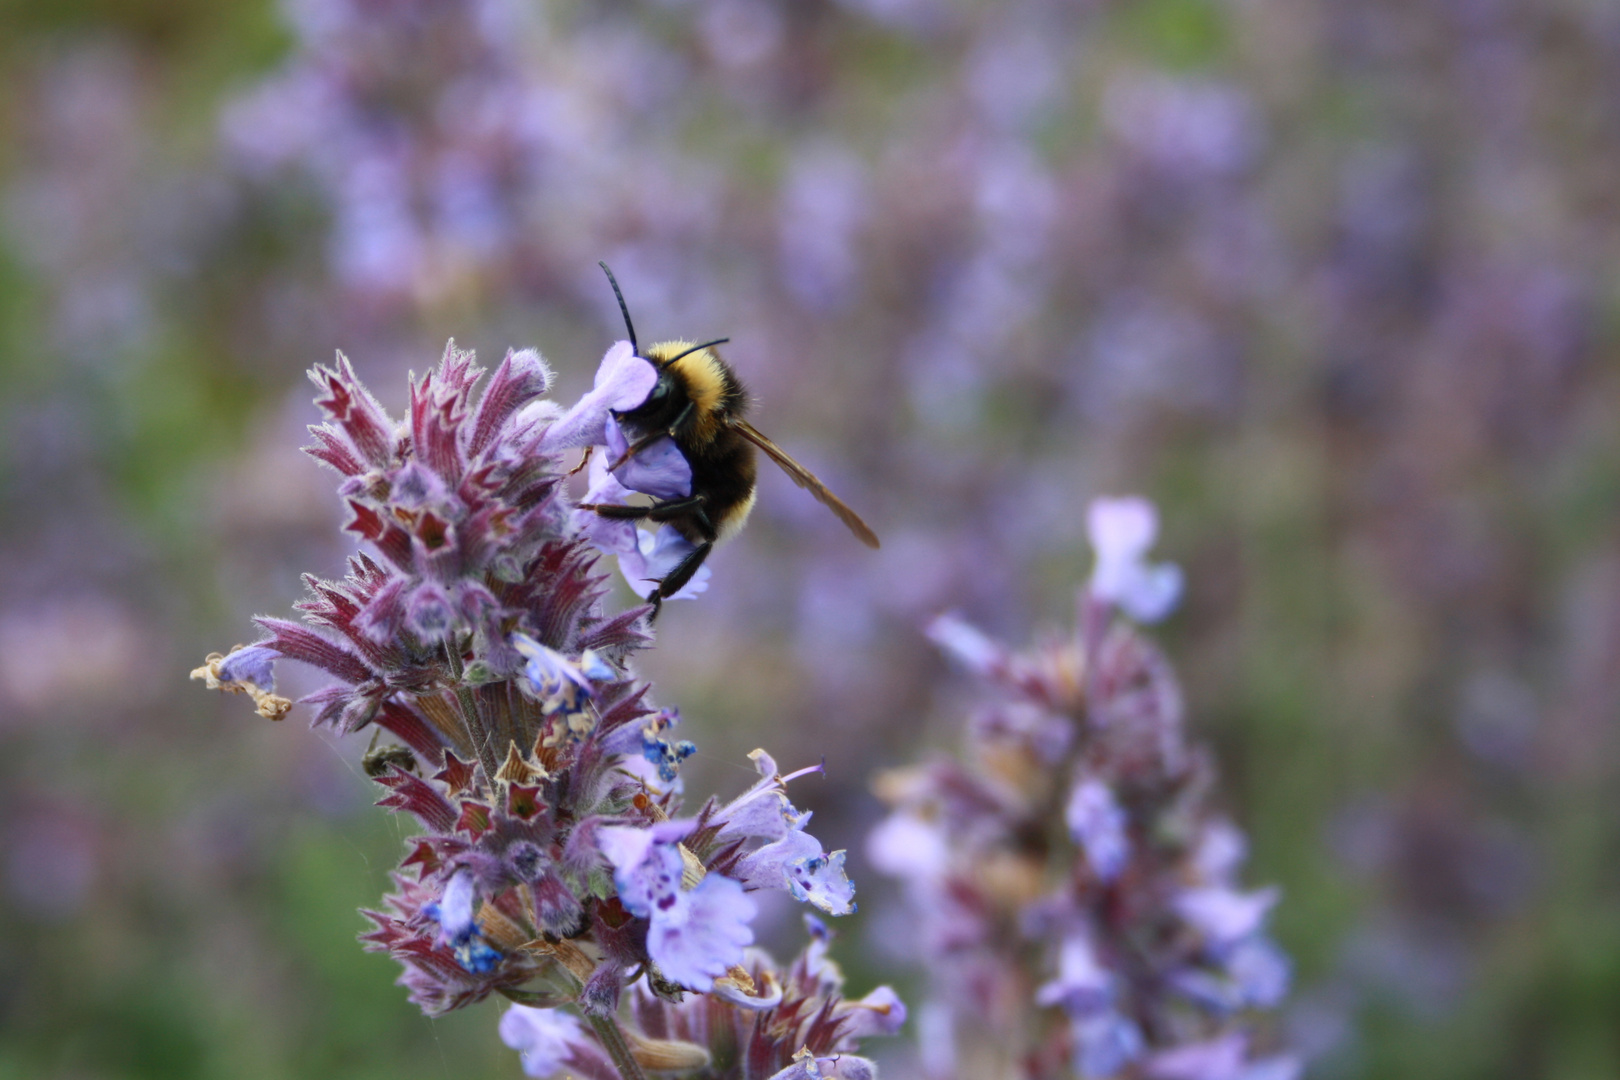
[
  {"x": 1076, "y": 892},
  {"x": 554, "y": 866}
]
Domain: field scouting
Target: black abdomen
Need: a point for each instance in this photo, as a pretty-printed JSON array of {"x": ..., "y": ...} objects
[{"x": 723, "y": 472}]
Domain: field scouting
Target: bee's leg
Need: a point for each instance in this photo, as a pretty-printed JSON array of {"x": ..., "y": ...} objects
[
  {"x": 618, "y": 512},
  {"x": 653, "y": 436},
  {"x": 678, "y": 577},
  {"x": 660, "y": 511},
  {"x": 684, "y": 508}
]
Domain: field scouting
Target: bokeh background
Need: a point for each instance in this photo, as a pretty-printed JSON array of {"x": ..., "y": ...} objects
[{"x": 1333, "y": 281}]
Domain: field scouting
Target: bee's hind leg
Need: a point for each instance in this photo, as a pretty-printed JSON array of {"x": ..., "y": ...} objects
[
  {"x": 677, "y": 578},
  {"x": 667, "y": 510}
]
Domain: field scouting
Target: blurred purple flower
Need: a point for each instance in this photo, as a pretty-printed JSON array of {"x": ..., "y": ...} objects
[
  {"x": 1122, "y": 530},
  {"x": 549, "y": 1041},
  {"x": 1134, "y": 895},
  {"x": 1097, "y": 823}
]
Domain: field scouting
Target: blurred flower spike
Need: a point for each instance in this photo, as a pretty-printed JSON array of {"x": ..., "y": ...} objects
[
  {"x": 1076, "y": 894},
  {"x": 552, "y": 867}
]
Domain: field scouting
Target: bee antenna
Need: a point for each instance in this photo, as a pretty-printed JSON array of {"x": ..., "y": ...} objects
[
  {"x": 696, "y": 348},
  {"x": 623, "y": 308}
]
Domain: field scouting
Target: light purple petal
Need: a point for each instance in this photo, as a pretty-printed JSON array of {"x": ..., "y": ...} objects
[
  {"x": 1121, "y": 529},
  {"x": 820, "y": 880},
  {"x": 611, "y": 535},
  {"x": 1121, "y": 532},
  {"x": 701, "y": 934},
  {"x": 656, "y": 555},
  {"x": 879, "y": 1013},
  {"x": 798, "y": 864},
  {"x": 548, "y": 671},
  {"x": 647, "y": 864},
  {"x": 1105, "y": 1044},
  {"x": 761, "y": 810},
  {"x": 1221, "y": 850},
  {"x": 660, "y": 470},
  {"x": 1083, "y": 985},
  {"x": 1213, "y": 1059},
  {"x": 1225, "y": 916},
  {"x": 1152, "y": 593},
  {"x": 767, "y": 867},
  {"x": 545, "y": 1038},
  {"x": 254, "y": 664},
  {"x": 1278, "y": 1067},
  {"x": 1097, "y": 823},
  {"x": 1261, "y": 971},
  {"x": 971, "y": 647},
  {"x": 905, "y": 846},
  {"x": 456, "y": 907},
  {"x": 623, "y": 381}
]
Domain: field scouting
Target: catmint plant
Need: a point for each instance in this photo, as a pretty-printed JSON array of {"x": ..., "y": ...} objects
[
  {"x": 1077, "y": 893},
  {"x": 554, "y": 866}
]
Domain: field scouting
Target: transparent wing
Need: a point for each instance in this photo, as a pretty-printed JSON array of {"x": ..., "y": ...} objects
[{"x": 807, "y": 480}]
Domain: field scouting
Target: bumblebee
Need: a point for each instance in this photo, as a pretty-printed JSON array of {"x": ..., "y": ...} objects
[{"x": 698, "y": 402}]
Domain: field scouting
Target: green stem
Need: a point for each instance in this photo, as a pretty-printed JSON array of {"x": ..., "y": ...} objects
[
  {"x": 613, "y": 1041},
  {"x": 469, "y": 713}
]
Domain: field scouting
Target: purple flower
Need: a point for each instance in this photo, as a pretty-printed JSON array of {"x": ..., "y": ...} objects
[
  {"x": 694, "y": 936},
  {"x": 656, "y": 556},
  {"x": 547, "y": 1039},
  {"x": 644, "y": 558},
  {"x": 763, "y": 810},
  {"x": 1225, "y": 916},
  {"x": 697, "y": 936},
  {"x": 623, "y": 381},
  {"x": 647, "y": 865},
  {"x": 793, "y": 859},
  {"x": 1122, "y": 530},
  {"x": 1104, "y": 1043},
  {"x": 1083, "y": 985},
  {"x": 1260, "y": 972},
  {"x": 972, "y": 647},
  {"x": 254, "y": 664},
  {"x": 880, "y": 1012},
  {"x": 1222, "y": 1058},
  {"x": 907, "y": 847},
  {"x": 660, "y": 470},
  {"x": 613, "y": 536},
  {"x": 793, "y": 1020},
  {"x": 470, "y": 537},
  {"x": 806, "y": 1066},
  {"x": 455, "y": 909},
  {"x": 810, "y": 874},
  {"x": 1097, "y": 823},
  {"x": 552, "y": 678}
]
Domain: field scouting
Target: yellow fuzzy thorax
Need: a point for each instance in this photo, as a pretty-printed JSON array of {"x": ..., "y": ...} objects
[{"x": 704, "y": 376}]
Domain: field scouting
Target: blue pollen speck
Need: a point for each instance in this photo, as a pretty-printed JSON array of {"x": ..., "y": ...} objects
[
  {"x": 668, "y": 758},
  {"x": 476, "y": 956}
]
